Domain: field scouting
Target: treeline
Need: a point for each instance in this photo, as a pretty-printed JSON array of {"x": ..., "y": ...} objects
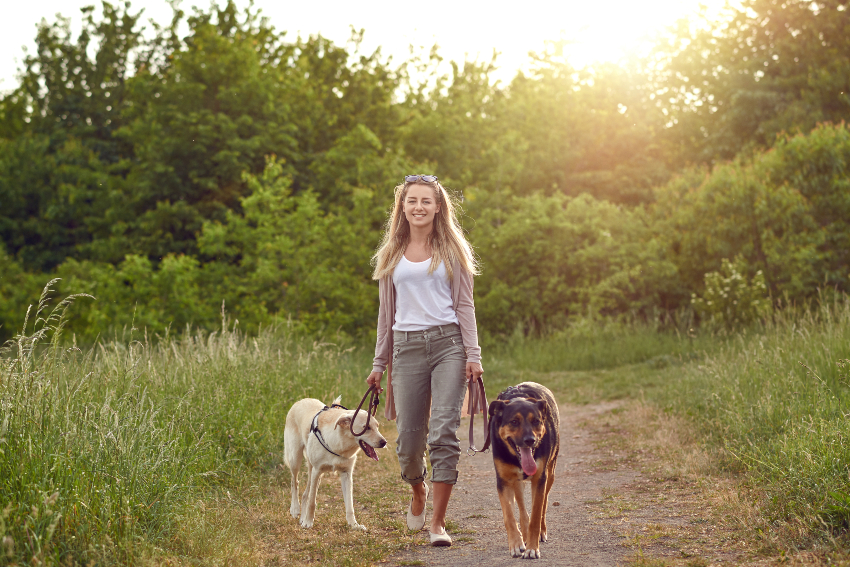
[{"x": 168, "y": 172}]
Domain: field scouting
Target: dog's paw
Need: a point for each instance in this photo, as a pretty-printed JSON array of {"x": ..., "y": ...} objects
[
  {"x": 306, "y": 522},
  {"x": 531, "y": 554},
  {"x": 516, "y": 549},
  {"x": 358, "y": 527},
  {"x": 295, "y": 511}
]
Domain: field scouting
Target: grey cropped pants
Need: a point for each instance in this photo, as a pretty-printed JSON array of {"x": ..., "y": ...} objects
[{"x": 429, "y": 370}]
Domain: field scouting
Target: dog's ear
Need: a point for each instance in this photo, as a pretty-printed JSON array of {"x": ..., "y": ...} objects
[
  {"x": 543, "y": 407},
  {"x": 344, "y": 421},
  {"x": 496, "y": 408}
]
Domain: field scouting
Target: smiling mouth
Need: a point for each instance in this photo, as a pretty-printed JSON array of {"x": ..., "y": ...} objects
[{"x": 369, "y": 450}]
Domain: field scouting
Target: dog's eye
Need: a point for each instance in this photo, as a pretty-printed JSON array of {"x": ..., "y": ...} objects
[{"x": 514, "y": 422}]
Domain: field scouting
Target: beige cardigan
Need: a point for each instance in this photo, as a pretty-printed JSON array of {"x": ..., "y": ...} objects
[{"x": 464, "y": 307}]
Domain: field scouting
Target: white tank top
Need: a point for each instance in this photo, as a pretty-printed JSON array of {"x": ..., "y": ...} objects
[{"x": 422, "y": 300}]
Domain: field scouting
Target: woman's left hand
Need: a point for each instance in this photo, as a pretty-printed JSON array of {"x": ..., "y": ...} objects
[{"x": 474, "y": 371}]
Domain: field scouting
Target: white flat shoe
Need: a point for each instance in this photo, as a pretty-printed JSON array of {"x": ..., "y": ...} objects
[
  {"x": 416, "y": 523},
  {"x": 441, "y": 539}
]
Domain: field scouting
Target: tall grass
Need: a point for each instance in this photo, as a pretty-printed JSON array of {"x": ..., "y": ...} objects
[
  {"x": 778, "y": 399},
  {"x": 594, "y": 345},
  {"x": 774, "y": 399},
  {"x": 101, "y": 449}
]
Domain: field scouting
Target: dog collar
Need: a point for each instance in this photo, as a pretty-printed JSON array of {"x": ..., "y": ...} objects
[{"x": 314, "y": 428}]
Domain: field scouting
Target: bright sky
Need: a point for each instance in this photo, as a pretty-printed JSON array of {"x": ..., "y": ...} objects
[{"x": 600, "y": 30}]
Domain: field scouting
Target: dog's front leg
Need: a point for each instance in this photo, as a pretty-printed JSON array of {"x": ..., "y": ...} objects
[
  {"x": 523, "y": 512},
  {"x": 550, "y": 479},
  {"x": 345, "y": 479},
  {"x": 295, "y": 505},
  {"x": 507, "y": 491},
  {"x": 293, "y": 461},
  {"x": 538, "y": 498},
  {"x": 308, "y": 507},
  {"x": 306, "y": 496}
]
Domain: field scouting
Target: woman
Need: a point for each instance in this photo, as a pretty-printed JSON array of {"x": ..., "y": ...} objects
[{"x": 427, "y": 338}]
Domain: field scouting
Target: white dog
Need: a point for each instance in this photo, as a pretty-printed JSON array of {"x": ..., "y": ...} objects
[{"x": 322, "y": 435}]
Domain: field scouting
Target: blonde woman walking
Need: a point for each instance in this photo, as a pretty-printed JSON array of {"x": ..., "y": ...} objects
[{"x": 427, "y": 340}]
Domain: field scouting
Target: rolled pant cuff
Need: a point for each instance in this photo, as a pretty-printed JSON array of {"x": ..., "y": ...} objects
[
  {"x": 447, "y": 476},
  {"x": 414, "y": 481}
]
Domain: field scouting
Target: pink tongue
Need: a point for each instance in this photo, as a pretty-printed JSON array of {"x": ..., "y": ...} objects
[
  {"x": 370, "y": 452},
  {"x": 529, "y": 467}
]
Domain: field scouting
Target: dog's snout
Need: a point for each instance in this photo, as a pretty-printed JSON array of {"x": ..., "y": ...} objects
[
  {"x": 528, "y": 440},
  {"x": 382, "y": 444}
]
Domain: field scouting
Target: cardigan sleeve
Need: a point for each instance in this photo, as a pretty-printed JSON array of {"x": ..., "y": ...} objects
[
  {"x": 465, "y": 311},
  {"x": 382, "y": 345}
]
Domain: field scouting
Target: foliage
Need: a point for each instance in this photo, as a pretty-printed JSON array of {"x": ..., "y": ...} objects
[
  {"x": 768, "y": 67},
  {"x": 732, "y": 299},
  {"x": 217, "y": 160},
  {"x": 779, "y": 210},
  {"x": 548, "y": 260},
  {"x": 288, "y": 255}
]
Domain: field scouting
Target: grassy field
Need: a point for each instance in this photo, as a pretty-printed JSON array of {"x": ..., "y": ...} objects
[
  {"x": 114, "y": 453},
  {"x": 167, "y": 450}
]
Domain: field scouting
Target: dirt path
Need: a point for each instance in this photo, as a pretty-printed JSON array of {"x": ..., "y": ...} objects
[
  {"x": 610, "y": 505},
  {"x": 577, "y": 535}
]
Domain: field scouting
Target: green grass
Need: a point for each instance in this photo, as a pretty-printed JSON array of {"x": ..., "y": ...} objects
[
  {"x": 109, "y": 454},
  {"x": 593, "y": 362},
  {"x": 102, "y": 450},
  {"x": 599, "y": 345},
  {"x": 772, "y": 401},
  {"x": 778, "y": 400}
]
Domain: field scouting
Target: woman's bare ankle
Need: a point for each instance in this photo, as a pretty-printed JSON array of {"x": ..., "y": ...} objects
[{"x": 419, "y": 497}]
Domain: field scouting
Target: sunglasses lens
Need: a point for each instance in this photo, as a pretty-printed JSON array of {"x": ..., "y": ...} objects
[{"x": 425, "y": 178}]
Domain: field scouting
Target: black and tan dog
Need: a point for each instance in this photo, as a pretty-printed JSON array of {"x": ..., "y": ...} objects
[{"x": 524, "y": 435}]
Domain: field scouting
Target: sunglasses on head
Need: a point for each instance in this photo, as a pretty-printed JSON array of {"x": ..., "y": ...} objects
[{"x": 418, "y": 178}]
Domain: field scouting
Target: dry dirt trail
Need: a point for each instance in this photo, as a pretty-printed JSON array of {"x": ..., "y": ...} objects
[{"x": 590, "y": 522}]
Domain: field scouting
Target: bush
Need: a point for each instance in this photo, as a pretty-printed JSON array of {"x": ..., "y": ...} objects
[{"x": 731, "y": 299}]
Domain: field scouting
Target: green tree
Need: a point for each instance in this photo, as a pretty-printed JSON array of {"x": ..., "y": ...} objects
[
  {"x": 548, "y": 260},
  {"x": 779, "y": 210},
  {"x": 770, "y": 66},
  {"x": 290, "y": 257},
  {"x": 59, "y": 157}
]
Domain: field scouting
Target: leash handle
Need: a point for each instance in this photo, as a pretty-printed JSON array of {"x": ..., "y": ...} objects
[
  {"x": 374, "y": 401},
  {"x": 477, "y": 401}
]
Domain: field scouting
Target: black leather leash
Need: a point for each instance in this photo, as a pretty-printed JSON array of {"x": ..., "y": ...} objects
[
  {"x": 374, "y": 401},
  {"x": 477, "y": 395}
]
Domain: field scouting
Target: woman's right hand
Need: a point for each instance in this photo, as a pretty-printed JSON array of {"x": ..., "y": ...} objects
[{"x": 374, "y": 379}]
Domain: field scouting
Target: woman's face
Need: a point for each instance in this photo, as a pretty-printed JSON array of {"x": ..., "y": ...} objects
[{"x": 420, "y": 206}]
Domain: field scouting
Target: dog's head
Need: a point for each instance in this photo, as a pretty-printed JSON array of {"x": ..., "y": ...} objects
[
  {"x": 370, "y": 440},
  {"x": 521, "y": 424}
]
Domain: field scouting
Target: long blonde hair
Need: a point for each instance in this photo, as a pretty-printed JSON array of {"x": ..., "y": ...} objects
[{"x": 446, "y": 239}]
